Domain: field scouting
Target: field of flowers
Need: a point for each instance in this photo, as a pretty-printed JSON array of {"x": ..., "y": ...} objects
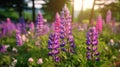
[{"x": 60, "y": 44}]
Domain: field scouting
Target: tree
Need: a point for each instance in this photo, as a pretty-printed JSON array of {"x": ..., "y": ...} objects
[
  {"x": 115, "y": 9},
  {"x": 53, "y": 6},
  {"x": 17, "y": 5},
  {"x": 86, "y": 15}
]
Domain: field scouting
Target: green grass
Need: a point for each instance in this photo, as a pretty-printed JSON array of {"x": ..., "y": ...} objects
[{"x": 76, "y": 60}]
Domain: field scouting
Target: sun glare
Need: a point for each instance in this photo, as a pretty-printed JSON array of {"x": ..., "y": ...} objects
[{"x": 87, "y": 4}]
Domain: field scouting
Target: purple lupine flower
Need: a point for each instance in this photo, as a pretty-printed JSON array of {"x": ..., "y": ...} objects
[
  {"x": 32, "y": 27},
  {"x": 39, "y": 24},
  {"x": 7, "y": 27},
  {"x": 53, "y": 42},
  {"x": 19, "y": 40},
  {"x": 99, "y": 24},
  {"x": 53, "y": 46},
  {"x": 23, "y": 25},
  {"x": 3, "y": 29},
  {"x": 92, "y": 42},
  {"x": 85, "y": 26},
  {"x": 46, "y": 29},
  {"x": 66, "y": 30},
  {"x": 2, "y": 48},
  {"x": 108, "y": 16},
  {"x": 10, "y": 27},
  {"x": 18, "y": 27}
]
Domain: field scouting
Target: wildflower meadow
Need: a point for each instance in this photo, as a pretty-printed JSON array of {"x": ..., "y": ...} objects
[{"x": 62, "y": 43}]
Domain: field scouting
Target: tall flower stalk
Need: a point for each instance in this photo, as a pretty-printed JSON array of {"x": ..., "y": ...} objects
[
  {"x": 66, "y": 36},
  {"x": 108, "y": 16},
  {"x": 2, "y": 48},
  {"x": 99, "y": 24},
  {"x": 7, "y": 28},
  {"x": 19, "y": 40},
  {"x": 92, "y": 44},
  {"x": 23, "y": 26},
  {"x": 10, "y": 27},
  {"x": 32, "y": 27},
  {"x": 39, "y": 24},
  {"x": 53, "y": 42}
]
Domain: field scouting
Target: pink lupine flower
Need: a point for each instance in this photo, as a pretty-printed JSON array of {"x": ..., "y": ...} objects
[
  {"x": 2, "y": 49},
  {"x": 32, "y": 27},
  {"x": 108, "y": 16},
  {"x": 99, "y": 24},
  {"x": 57, "y": 23},
  {"x": 10, "y": 27}
]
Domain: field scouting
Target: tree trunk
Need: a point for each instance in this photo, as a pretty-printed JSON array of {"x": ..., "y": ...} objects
[
  {"x": 73, "y": 11},
  {"x": 92, "y": 14},
  {"x": 81, "y": 11},
  {"x": 33, "y": 11},
  {"x": 20, "y": 14}
]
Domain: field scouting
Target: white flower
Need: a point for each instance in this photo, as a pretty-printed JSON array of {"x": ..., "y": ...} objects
[
  {"x": 23, "y": 38},
  {"x": 15, "y": 61},
  {"x": 119, "y": 50},
  {"x": 106, "y": 48},
  {"x": 14, "y": 49},
  {"x": 112, "y": 42},
  {"x": 45, "y": 20},
  {"x": 29, "y": 32},
  {"x": 6, "y": 46},
  {"x": 114, "y": 57},
  {"x": 30, "y": 60},
  {"x": 39, "y": 61}
]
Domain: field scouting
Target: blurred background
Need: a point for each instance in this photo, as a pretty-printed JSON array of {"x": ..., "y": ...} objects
[{"x": 81, "y": 10}]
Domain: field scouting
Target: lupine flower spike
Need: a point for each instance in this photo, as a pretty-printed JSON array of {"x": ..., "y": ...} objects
[
  {"x": 66, "y": 31},
  {"x": 2, "y": 48},
  {"x": 19, "y": 38},
  {"x": 10, "y": 27},
  {"x": 99, "y": 24},
  {"x": 53, "y": 42},
  {"x": 23, "y": 25},
  {"x": 92, "y": 45},
  {"x": 108, "y": 16},
  {"x": 32, "y": 27},
  {"x": 39, "y": 24}
]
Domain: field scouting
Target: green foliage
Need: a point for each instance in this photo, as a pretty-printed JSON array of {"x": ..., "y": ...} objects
[
  {"x": 14, "y": 4},
  {"x": 86, "y": 15},
  {"x": 5, "y": 13},
  {"x": 4, "y": 60},
  {"x": 114, "y": 7},
  {"x": 78, "y": 59},
  {"x": 50, "y": 8}
]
